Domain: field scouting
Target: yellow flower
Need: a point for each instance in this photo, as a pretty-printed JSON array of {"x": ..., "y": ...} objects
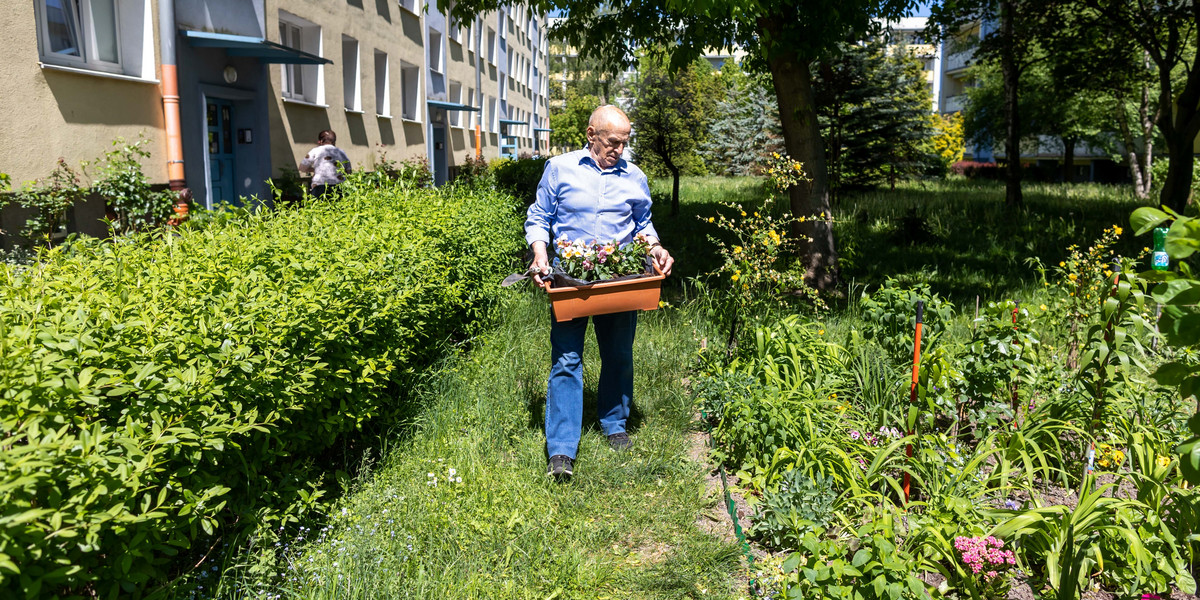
[
  {"x": 1044, "y": 307},
  {"x": 743, "y": 213},
  {"x": 1117, "y": 230},
  {"x": 1062, "y": 263},
  {"x": 737, "y": 249},
  {"x": 1072, "y": 277},
  {"x": 1102, "y": 462},
  {"x": 822, "y": 332},
  {"x": 1163, "y": 461},
  {"x": 1118, "y": 457},
  {"x": 756, "y": 213},
  {"x": 735, "y": 277},
  {"x": 1145, "y": 248},
  {"x": 710, "y": 219}
]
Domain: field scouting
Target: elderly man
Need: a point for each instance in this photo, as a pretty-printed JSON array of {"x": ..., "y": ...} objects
[{"x": 591, "y": 194}]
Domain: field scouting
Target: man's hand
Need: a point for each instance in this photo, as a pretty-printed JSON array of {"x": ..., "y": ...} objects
[
  {"x": 541, "y": 262},
  {"x": 662, "y": 259}
]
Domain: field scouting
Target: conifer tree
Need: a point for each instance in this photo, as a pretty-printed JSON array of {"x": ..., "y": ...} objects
[
  {"x": 873, "y": 110},
  {"x": 746, "y": 125}
]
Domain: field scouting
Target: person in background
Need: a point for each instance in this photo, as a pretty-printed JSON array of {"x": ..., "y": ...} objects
[
  {"x": 591, "y": 194},
  {"x": 327, "y": 163}
]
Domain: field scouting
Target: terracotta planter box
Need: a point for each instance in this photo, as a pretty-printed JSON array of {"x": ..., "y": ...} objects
[{"x": 606, "y": 298}]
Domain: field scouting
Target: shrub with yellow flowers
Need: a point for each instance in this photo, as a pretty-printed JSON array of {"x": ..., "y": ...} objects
[{"x": 756, "y": 250}]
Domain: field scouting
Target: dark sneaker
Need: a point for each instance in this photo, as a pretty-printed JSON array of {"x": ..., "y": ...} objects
[
  {"x": 560, "y": 466},
  {"x": 619, "y": 441}
]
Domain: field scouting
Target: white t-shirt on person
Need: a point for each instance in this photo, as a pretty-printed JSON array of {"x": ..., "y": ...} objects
[{"x": 323, "y": 162}]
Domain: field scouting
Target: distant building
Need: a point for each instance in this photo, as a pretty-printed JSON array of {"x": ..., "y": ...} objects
[
  {"x": 1045, "y": 153},
  {"x": 231, "y": 93},
  {"x": 907, "y": 35}
]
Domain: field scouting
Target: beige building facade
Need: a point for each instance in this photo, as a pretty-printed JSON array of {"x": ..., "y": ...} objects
[{"x": 257, "y": 80}]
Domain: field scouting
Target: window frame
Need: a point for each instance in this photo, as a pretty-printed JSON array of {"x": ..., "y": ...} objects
[
  {"x": 410, "y": 74},
  {"x": 352, "y": 76},
  {"x": 86, "y": 42},
  {"x": 383, "y": 84},
  {"x": 308, "y": 75}
]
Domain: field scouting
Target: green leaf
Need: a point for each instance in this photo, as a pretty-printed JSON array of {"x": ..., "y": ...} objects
[
  {"x": 791, "y": 563},
  {"x": 1146, "y": 218}
]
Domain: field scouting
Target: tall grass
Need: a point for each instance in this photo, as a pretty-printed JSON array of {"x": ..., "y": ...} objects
[{"x": 624, "y": 527}]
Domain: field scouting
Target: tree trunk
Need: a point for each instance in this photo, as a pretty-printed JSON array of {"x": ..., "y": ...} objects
[
  {"x": 1179, "y": 122},
  {"x": 1068, "y": 175},
  {"x": 1012, "y": 115},
  {"x": 802, "y": 137},
  {"x": 674, "y": 188}
]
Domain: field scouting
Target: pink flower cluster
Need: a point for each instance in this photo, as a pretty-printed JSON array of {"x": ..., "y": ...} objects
[{"x": 984, "y": 555}]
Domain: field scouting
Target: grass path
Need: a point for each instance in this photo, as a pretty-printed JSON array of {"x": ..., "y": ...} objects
[{"x": 625, "y": 527}]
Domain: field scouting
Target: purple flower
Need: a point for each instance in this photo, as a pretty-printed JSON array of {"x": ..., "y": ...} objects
[{"x": 854, "y": 435}]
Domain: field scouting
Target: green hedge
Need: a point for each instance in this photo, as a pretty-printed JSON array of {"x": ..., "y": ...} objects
[{"x": 154, "y": 393}]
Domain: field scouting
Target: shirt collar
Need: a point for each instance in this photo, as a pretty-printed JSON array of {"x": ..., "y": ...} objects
[{"x": 620, "y": 167}]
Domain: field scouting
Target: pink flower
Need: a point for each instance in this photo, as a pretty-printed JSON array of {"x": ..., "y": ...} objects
[{"x": 587, "y": 264}]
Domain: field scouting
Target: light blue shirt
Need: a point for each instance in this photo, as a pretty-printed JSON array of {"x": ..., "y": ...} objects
[{"x": 578, "y": 200}]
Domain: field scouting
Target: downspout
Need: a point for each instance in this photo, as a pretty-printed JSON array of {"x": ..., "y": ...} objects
[
  {"x": 170, "y": 94},
  {"x": 479, "y": 87}
]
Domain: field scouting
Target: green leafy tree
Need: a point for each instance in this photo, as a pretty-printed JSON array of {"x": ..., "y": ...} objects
[
  {"x": 745, "y": 128},
  {"x": 785, "y": 36},
  {"x": 670, "y": 116},
  {"x": 873, "y": 110},
  {"x": 1019, "y": 23},
  {"x": 569, "y": 125},
  {"x": 1166, "y": 31},
  {"x": 1047, "y": 109}
]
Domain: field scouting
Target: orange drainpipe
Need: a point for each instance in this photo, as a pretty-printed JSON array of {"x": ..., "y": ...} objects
[{"x": 170, "y": 94}]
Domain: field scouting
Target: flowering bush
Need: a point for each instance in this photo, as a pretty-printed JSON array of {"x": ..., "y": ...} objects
[
  {"x": 597, "y": 261},
  {"x": 984, "y": 556}
]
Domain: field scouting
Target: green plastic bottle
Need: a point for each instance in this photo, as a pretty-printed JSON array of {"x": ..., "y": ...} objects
[{"x": 1160, "y": 260}]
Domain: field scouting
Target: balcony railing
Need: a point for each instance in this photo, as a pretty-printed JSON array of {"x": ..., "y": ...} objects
[{"x": 958, "y": 60}]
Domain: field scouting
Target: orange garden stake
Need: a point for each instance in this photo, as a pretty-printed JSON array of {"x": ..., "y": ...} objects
[
  {"x": 1016, "y": 405},
  {"x": 912, "y": 394}
]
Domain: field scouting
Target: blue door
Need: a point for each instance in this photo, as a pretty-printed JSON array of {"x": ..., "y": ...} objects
[
  {"x": 440, "y": 160},
  {"x": 220, "y": 151}
]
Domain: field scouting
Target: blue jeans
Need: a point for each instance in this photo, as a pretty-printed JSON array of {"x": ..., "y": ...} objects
[{"x": 564, "y": 394}]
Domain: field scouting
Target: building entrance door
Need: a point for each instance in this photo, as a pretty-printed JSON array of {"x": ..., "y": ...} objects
[
  {"x": 220, "y": 151},
  {"x": 440, "y": 168}
]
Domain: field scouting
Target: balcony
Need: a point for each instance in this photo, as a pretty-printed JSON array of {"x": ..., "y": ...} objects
[
  {"x": 954, "y": 103},
  {"x": 957, "y": 61}
]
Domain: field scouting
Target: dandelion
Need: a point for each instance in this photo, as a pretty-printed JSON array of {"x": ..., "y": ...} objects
[{"x": 1072, "y": 277}]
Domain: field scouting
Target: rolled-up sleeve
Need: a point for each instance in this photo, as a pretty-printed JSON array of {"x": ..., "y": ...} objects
[
  {"x": 541, "y": 213},
  {"x": 642, "y": 210}
]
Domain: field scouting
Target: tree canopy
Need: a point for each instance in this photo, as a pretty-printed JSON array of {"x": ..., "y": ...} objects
[{"x": 786, "y": 36}]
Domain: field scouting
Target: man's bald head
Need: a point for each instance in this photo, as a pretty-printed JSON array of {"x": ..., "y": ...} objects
[
  {"x": 607, "y": 134},
  {"x": 608, "y": 118}
]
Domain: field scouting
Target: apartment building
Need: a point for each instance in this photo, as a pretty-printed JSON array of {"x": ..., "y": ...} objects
[
  {"x": 1045, "y": 153},
  {"x": 231, "y": 93},
  {"x": 907, "y": 36}
]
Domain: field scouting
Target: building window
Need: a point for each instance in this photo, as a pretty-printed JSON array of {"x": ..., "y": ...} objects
[
  {"x": 301, "y": 82},
  {"x": 351, "y": 81},
  {"x": 470, "y": 98},
  {"x": 493, "y": 118},
  {"x": 99, "y": 35},
  {"x": 471, "y": 38},
  {"x": 383, "y": 97},
  {"x": 491, "y": 45},
  {"x": 411, "y": 6},
  {"x": 455, "y": 96},
  {"x": 410, "y": 78}
]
